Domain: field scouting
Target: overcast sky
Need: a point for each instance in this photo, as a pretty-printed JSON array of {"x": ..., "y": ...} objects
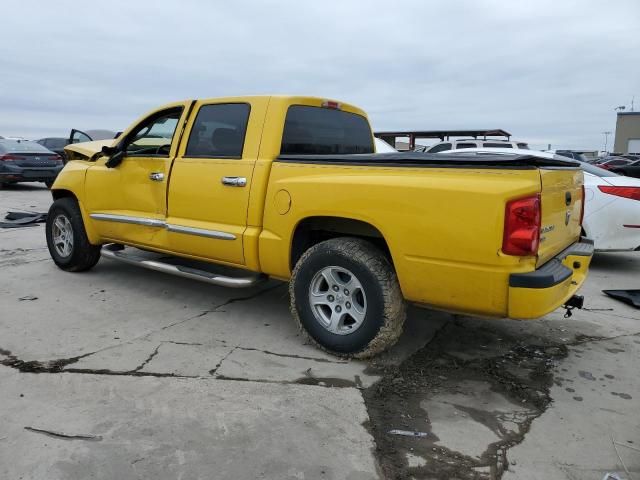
[{"x": 547, "y": 71}]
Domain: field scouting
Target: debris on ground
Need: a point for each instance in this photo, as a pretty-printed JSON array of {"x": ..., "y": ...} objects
[
  {"x": 408, "y": 433},
  {"x": 65, "y": 436},
  {"x": 23, "y": 219},
  {"x": 632, "y": 297},
  {"x": 28, "y": 298}
]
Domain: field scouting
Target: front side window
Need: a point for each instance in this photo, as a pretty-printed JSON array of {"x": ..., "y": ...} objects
[
  {"x": 219, "y": 131},
  {"x": 523, "y": 146},
  {"x": 466, "y": 145},
  {"x": 153, "y": 137},
  {"x": 324, "y": 131},
  {"x": 440, "y": 148}
]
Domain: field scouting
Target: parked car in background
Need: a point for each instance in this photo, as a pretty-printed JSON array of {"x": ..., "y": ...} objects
[
  {"x": 78, "y": 136},
  {"x": 611, "y": 162},
  {"x": 55, "y": 144},
  {"x": 472, "y": 143},
  {"x": 58, "y": 144},
  {"x": 382, "y": 146},
  {"x": 630, "y": 170},
  {"x": 576, "y": 155},
  {"x": 26, "y": 161},
  {"x": 612, "y": 204}
]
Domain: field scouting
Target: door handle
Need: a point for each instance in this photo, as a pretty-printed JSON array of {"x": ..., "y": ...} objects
[
  {"x": 234, "y": 181},
  {"x": 156, "y": 176}
]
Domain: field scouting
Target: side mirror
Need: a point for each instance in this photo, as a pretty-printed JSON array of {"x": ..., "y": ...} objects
[{"x": 115, "y": 154}]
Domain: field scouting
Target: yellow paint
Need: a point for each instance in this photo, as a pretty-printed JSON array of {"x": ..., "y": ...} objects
[{"x": 443, "y": 226}]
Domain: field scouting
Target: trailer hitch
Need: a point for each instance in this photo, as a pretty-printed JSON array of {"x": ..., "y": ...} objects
[{"x": 576, "y": 301}]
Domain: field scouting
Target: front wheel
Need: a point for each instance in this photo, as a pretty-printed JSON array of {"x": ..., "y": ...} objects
[
  {"x": 345, "y": 295},
  {"x": 67, "y": 239}
]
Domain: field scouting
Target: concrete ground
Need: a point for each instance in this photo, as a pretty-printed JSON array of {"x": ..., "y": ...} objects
[{"x": 124, "y": 373}]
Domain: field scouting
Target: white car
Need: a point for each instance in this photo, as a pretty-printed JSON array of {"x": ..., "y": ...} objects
[
  {"x": 382, "y": 146},
  {"x": 473, "y": 143},
  {"x": 612, "y": 203}
]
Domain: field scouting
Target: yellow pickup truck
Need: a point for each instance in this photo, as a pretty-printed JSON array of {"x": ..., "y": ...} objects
[{"x": 234, "y": 190}]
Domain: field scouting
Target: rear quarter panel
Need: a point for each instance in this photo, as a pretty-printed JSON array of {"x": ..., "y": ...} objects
[{"x": 443, "y": 226}]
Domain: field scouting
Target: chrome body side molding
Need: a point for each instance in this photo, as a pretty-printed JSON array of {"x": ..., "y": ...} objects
[
  {"x": 147, "y": 222},
  {"x": 152, "y": 222},
  {"x": 202, "y": 232}
]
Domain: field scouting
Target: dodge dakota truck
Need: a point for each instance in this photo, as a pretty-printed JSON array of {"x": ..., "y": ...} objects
[{"x": 232, "y": 191}]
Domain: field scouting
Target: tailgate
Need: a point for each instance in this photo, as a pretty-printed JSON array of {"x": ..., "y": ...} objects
[{"x": 561, "y": 208}]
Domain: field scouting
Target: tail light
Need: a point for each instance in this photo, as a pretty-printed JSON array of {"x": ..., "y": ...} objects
[
  {"x": 522, "y": 220},
  {"x": 55, "y": 158},
  {"x": 10, "y": 158},
  {"x": 582, "y": 205},
  {"x": 627, "y": 192}
]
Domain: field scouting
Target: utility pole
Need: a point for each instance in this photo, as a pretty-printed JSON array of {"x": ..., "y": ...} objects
[{"x": 606, "y": 138}]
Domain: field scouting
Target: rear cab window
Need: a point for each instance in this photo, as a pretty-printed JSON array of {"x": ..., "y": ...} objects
[
  {"x": 324, "y": 131},
  {"x": 219, "y": 131}
]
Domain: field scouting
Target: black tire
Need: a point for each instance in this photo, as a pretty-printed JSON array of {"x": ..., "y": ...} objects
[
  {"x": 385, "y": 306},
  {"x": 83, "y": 255}
]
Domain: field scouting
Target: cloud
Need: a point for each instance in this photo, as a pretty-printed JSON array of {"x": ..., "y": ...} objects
[{"x": 549, "y": 72}]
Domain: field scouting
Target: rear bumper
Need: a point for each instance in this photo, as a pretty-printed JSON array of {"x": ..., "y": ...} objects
[
  {"x": 534, "y": 294},
  {"x": 14, "y": 173}
]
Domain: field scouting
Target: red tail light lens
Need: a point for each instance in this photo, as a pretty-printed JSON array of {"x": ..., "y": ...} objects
[
  {"x": 522, "y": 220},
  {"x": 582, "y": 205},
  {"x": 627, "y": 192},
  {"x": 55, "y": 158},
  {"x": 10, "y": 158}
]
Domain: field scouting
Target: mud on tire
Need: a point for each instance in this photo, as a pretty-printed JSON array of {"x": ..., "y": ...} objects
[
  {"x": 72, "y": 251},
  {"x": 350, "y": 262}
]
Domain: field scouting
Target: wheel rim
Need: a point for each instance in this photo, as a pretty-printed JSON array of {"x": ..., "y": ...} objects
[
  {"x": 337, "y": 300},
  {"x": 62, "y": 234}
]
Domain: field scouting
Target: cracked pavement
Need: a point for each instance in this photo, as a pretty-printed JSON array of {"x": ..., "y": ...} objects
[{"x": 124, "y": 373}]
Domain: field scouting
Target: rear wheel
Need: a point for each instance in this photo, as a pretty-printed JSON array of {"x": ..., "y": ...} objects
[
  {"x": 67, "y": 239},
  {"x": 345, "y": 295}
]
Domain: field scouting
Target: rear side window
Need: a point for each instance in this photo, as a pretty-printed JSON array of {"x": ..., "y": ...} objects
[
  {"x": 466, "y": 145},
  {"x": 497, "y": 145},
  {"x": 323, "y": 131},
  {"x": 523, "y": 146},
  {"x": 219, "y": 131},
  {"x": 440, "y": 148}
]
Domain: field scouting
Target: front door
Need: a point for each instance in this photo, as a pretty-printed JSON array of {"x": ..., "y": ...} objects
[
  {"x": 127, "y": 202},
  {"x": 211, "y": 179}
]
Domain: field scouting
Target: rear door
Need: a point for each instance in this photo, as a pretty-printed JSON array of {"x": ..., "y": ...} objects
[
  {"x": 211, "y": 179},
  {"x": 561, "y": 206}
]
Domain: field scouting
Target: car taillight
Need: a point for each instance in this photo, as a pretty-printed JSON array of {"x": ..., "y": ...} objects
[
  {"x": 522, "y": 220},
  {"x": 627, "y": 192},
  {"x": 55, "y": 158},
  {"x": 582, "y": 206},
  {"x": 10, "y": 158}
]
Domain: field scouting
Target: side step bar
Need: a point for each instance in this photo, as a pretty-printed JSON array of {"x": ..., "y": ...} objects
[{"x": 183, "y": 270}]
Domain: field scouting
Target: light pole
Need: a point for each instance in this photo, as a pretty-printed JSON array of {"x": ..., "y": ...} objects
[{"x": 606, "y": 137}]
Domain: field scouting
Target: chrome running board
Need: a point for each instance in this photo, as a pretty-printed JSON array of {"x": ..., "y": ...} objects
[{"x": 186, "y": 268}]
